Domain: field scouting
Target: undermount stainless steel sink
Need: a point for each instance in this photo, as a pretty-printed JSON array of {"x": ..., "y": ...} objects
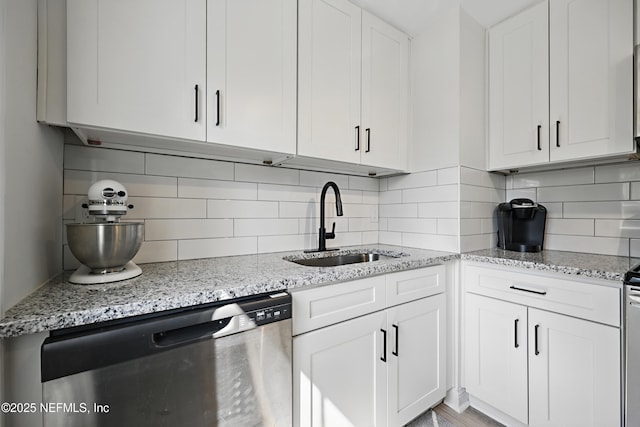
[{"x": 336, "y": 260}]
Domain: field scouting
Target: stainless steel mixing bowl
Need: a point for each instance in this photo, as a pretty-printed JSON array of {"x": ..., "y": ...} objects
[{"x": 105, "y": 247}]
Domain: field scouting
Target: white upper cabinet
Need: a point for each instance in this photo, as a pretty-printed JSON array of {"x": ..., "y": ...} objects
[
  {"x": 251, "y": 73},
  {"x": 591, "y": 79},
  {"x": 353, "y": 86},
  {"x": 385, "y": 73},
  {"x": 192, "y": 70},
  {"x": 137, "y": 66},
  {"x": 329, "y": 61},
  {"x": 564, "y": 92},
  {"x": 519, "y": 90}
]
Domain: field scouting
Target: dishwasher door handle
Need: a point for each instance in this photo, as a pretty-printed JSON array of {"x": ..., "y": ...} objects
[{"x": 188, "y": 334}]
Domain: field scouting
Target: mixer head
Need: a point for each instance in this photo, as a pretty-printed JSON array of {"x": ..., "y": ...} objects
[{"x": 107, "y": 201}]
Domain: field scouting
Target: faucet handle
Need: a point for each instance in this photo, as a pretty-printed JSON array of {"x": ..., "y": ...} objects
[{"x": 332, "y": 234}]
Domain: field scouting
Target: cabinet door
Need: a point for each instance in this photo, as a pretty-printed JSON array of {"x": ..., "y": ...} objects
[
  {"x": 591, "y": 63},
  {"x": 329, "y": 62},
  {"x": 519, "y": 90},
  {"x": 385, "y": 91},
  {"x": 339, "y": 377},
  {"x": 138, "y": 65},
  {"x": 417, "y": 358},
  {"x": 574, "y": 371},
  {"x": 251, "y": 73},
  {"x": 495, "y": 357}
]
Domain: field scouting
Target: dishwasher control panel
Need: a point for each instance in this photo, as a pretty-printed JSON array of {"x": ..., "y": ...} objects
[{"x": 262, "y": 312}]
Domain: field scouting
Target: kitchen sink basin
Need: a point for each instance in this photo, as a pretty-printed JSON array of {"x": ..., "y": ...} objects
[{"x": 336, "y": 260}]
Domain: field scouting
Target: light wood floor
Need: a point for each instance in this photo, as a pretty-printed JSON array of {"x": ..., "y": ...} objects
[{"x": 469, "y": 418}]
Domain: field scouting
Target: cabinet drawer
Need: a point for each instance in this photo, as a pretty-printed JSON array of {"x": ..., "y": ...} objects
[
  {"x": 326, "y": 305},
  {"x": 415, "y": 284},
  {"x": 599, "y": 303}
]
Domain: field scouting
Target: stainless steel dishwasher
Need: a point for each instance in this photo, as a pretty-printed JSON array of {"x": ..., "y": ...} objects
[{"x": 217, "y": 365}]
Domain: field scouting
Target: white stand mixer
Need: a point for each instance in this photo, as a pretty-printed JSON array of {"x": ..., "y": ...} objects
[{"x": 106, "y": 246}]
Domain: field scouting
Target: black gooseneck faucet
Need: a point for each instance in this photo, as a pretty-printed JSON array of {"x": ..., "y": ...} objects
[{"x": 323, "y": 235}]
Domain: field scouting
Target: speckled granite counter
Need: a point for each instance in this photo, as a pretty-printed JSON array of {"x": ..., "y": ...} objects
[
  {"x": 164, "y": 286},
  {"x": 572, "y": 263}
]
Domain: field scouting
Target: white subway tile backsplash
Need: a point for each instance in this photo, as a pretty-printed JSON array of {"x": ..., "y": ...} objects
[
  {"x": 287, "y": 193},
  {"x": 448, "y": 226},
  {"x": 214, "y": 189},
  {"x": 286, "y": 243},
  {"x": 472, "y": 193},
  {"x": 618, "y": 172},
  {"x": 409, "y": 210},
  {"x": 159, "y": 251},
  {"x": 414, "y": 180},
  {"x": 78, "y": 182},
  {"x": 391, "y": 197},
  {"x": 635, "y": 190},
  {"x": 629, "y": 228},
  {"x": 431, "y": 241},
  {"x": 477, "y": 209},
  {"x": 579, "y": 227},
  {"x": 99, "y": 159},
  {"x": 319, "y": 179},
  {"x": 413, "y": 225},
  {"x": 299, "y": 209},
  {"x": 184, "y": 167},
  {"x": 364, "y": 184},
  {"x": 162, "y": 208},
  {"x": 609, "y": 210},
  {"x": 579, "y": 193},
  {"x": 362, "y": 224},
  {"x": 180, "y": 229},
  {"x": 196, "y": 208},
  {"x": 264, "y": 227},
  {"x": 438, "y": 210},
  {"x": 266, "y": 174},
  {"x": 447, "y": 176},
  {"x": 207, "y": 248},
  {"x": 390, "y": 238},
  {"x": 441, "y": 193},
  {"x": 482, "y": 179},
  {"x": 552, "y": 178},
  {"x": 597, "y": 245},
  {"x": 241, "y": 209}
]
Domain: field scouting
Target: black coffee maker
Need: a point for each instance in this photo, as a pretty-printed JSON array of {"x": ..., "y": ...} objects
[{"x": 521, "y": 225}]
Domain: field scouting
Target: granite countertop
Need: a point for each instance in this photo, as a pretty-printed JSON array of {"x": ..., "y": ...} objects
[
  {"x": 169, "y": 285},
  {"x": 595, "y": 266}
]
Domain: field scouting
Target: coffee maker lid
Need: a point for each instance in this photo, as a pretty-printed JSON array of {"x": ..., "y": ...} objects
[{"x": 523, "y": 203}]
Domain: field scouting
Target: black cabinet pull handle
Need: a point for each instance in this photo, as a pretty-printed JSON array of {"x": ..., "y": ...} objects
[
  {"x": 384, "y": 345},
  {"x": 358, "y": 138},
  {"x": 515, "y": 328},
  {"x": 368, "y": 130},
  {"x": 539, "y": 129},
  {"x": 528, "y": 290},
  {"x": 535, "y": 339},
  {"x": 217, "y": 108},
  {"x": 395, "y": 352},
  {"x": 196, "y": 90},
  {"x": 557, "y": 133}
]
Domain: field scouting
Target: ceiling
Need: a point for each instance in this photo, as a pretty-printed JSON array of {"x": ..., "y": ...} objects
[{"x": 412, "y": 16}]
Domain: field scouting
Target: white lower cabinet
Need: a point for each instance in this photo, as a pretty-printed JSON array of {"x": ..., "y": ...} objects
[
  {"x": 538, "y": 367},
  {"x": 380, "y": 369},
  {"x": 496, "y": 354}
]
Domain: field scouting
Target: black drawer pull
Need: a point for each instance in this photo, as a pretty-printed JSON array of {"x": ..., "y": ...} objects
[
  {"x": 395, "y": 352},
  {"x": 535, "y": 339},
  {"x": 515, "y": 328},
  {"x": 384, "y": 345},
  {"x": 528, "y": 290}
]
